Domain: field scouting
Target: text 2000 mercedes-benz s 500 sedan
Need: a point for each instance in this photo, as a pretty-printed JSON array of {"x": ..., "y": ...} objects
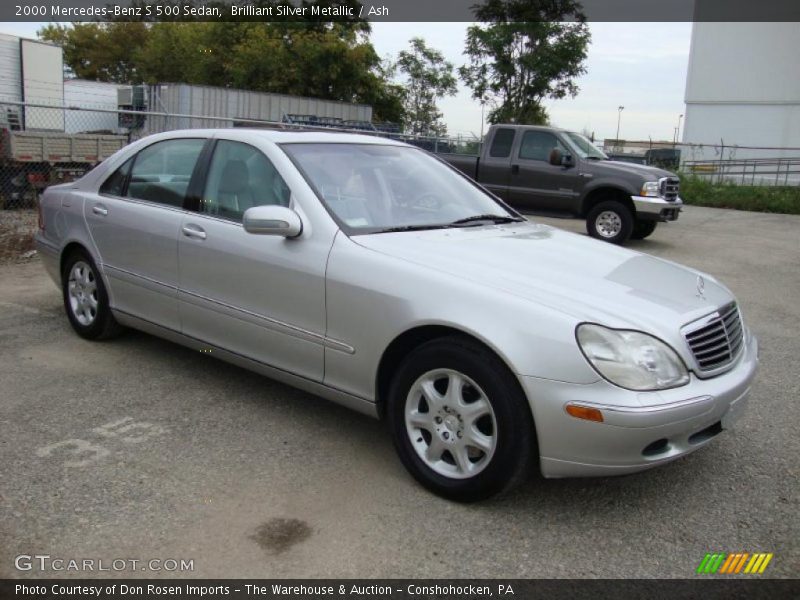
[{"x": 371, "y": 273}]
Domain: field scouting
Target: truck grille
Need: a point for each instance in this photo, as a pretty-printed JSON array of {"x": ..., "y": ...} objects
[
  {"x": 668, "y": 188},
  {"x": 716, "y": 340}
]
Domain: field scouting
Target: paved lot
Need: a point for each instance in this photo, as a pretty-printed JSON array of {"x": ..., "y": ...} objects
[{"x": 140, "y": 449}]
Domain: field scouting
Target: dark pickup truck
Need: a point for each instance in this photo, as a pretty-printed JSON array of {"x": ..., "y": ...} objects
[{"x": 554, "y": 170}]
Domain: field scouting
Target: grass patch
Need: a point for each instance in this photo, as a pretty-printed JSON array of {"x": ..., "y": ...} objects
[{"x": 774, "y": 199}]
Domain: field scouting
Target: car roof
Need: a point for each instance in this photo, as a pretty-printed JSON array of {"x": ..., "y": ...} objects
[{"x": 277, "y": 136}]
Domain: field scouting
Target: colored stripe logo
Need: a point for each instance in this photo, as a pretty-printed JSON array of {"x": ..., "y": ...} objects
[{"x": 722, "y": 563}]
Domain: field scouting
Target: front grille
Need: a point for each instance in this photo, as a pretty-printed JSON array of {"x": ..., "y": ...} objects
[
  {"x": 716, "y": 340},
  {"x": 669, "y": 188}
]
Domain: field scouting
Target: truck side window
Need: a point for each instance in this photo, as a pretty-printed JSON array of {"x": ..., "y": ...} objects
[
  {"x": 115, "y": 184},
  {"x": 536, "y": 145},
  {"x": 501, "y": 144}
]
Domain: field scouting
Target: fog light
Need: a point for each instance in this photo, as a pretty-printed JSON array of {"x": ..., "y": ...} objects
[{"x": 585, "y": 412}]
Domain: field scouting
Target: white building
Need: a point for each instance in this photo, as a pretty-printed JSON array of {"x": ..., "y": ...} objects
[{"x": 743, "y": 89}]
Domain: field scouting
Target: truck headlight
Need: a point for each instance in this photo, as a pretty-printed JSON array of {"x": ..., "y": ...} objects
[
  {"x": 631, "y": 359},
  {"x": 650, "y": 188}
]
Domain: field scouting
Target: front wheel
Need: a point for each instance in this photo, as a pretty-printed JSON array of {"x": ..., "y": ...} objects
[
  {"x": 610, "y": 221},
  {"x": 86, "y": 299},
  {"x": 643, "y": 229},
  {"x": 460, "y": 422}
]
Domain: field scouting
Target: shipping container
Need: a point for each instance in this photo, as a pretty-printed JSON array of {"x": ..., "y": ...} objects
[
  {"x": 236, "y": 106},
  {"x": 91, "y": 94}
]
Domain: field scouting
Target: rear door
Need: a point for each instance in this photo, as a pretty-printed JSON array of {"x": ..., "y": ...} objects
[
  {"x": 535, "y": 183},
  {"x": 495, "y": 162},
  {"x": 134, "y": 221}
]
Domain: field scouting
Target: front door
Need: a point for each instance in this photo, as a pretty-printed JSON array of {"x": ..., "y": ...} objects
[
  {"x": 259, "y": 296},
  {"x": 537, "y": 184}
]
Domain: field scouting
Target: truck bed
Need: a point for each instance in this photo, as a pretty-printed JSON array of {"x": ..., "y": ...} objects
[
  {"x": 34, "y": 146},
  {"x": 466, "y": 163}
]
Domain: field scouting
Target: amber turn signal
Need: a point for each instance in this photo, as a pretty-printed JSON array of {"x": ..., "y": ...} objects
[{"x": 584, "y": 412}]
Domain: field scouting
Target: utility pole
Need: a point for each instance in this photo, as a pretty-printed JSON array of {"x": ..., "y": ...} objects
[{"x": 619, "y": 117}]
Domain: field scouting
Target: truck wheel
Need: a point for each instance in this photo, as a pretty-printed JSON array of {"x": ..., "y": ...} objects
[
  {"x": 642, "y": 229},
  {"x": 610, "y": 221}
]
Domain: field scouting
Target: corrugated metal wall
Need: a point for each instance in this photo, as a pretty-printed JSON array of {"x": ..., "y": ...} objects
[
  {"x": 10, "y": 70},
  {"x": 240, "y": 104},
  {"x": 90, "y": 94}
]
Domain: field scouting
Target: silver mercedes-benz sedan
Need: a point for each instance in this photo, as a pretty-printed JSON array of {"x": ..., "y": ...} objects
[{"x": 373, "y": 274}]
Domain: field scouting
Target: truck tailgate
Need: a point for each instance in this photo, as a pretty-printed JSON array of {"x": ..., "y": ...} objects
[{"x": 31, "y": 146}]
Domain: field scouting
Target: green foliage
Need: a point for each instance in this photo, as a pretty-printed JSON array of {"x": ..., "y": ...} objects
[
  {"x": 526, "y": 52},
  {"x": 427, "y": 77},
  {"x": 326, "y": 60},
  {"x": 773, "y": 199}
]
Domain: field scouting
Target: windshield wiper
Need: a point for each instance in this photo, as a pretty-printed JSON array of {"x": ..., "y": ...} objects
[
  {"x": 493, "y": 218},
  {"x": 411, "y": 228}
]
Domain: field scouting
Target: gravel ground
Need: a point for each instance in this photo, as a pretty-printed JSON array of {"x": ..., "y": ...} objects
[
  {"x": 16, "y": 234},
  {"x": 140, "y": 449}
]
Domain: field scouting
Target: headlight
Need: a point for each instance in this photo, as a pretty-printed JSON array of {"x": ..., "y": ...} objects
[
  {"x": 631, "y": 359},
  {"x": 650, "y": 188}
]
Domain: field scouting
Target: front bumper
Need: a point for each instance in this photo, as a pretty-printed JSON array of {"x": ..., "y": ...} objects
[
  {"x": 656, "y": 209},
  {"x": 640, "y": 429}
]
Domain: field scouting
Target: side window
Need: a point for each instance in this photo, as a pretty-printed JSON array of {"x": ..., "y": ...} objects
[
  {"x": 114, "y": 185},
  {"x": 240, "y": 177},
  {"x": 161, "y": 172},
  {"x": 501, "y": 144},
  {"x": 537, "y": 145}
]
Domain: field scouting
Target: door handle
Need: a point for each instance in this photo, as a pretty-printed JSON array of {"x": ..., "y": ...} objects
[
  {"x": 515, "y": 169},
  {"x": 99, "y": 209},
  {"x": 193, "y": 231}
]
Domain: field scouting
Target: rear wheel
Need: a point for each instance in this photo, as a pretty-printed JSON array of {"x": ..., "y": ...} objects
[
  {"x": 610, "y": 221},
  {"x": 86, "y": 300},
  {"x": 642, "y": 229},
  {"x": 460, "y": 422}
]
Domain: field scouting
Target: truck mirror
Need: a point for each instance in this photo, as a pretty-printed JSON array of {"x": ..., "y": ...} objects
[{"x": 555, "y": 157}]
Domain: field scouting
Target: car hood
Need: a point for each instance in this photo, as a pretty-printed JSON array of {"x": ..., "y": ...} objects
[
  {"x": 611, "y": 167},
  {"x": 586, "y": 278}
]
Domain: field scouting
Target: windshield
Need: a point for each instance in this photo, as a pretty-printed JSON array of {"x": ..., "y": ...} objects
[
  {"x": 584, "y": 146},
  {"x": 371, "y": 188}
]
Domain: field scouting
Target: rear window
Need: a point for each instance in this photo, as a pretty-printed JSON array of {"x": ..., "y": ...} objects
[{"x": 501, "y": 144}]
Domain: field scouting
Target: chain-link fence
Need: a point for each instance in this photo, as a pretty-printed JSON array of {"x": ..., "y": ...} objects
[
  {"x": 41, "y": 145},
  {"x": 717, "y": 163}
]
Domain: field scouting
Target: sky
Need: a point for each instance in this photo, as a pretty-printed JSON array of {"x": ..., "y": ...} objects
[{"x": 641, "y": 66}]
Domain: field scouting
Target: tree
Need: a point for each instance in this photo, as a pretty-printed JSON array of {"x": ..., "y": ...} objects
[
  {"x": 326, "y": 60},
  {"x": 427, "y": 77},
  {"x": 525, "y": 53}
]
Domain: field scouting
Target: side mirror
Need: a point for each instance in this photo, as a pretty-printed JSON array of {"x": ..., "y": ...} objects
[
  {"x": 272, "y": 220},
  {"x": 559, "y": 160}
]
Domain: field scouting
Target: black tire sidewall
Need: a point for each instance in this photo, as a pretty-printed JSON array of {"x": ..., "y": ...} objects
[
  {"x": 99, "y": 327},
  {"x": 624, "y": 213},
  {"x": 515, "y": 437},
  {"x": 643, "y": 229}
]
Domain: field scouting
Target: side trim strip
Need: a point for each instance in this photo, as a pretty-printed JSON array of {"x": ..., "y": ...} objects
[
  {"x": 281, "y": 326},
  {"x": 136, "y": 275},
  {"x": 276, "y": 325}
]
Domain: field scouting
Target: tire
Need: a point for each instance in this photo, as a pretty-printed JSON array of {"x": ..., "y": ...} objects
[
  {"x": 610, "y": 221},
  {"x": 642, "y": 229},
  {"x": 490, "y": 410},
  {"x": 86, "y": 299}
]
